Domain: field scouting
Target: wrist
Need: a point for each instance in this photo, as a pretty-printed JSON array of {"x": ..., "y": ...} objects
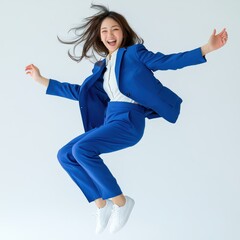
[
  {"x": 44, "y": 81},
  {"x": 205, "y": 49}
]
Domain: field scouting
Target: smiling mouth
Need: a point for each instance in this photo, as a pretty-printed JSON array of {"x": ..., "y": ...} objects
[{"x": 112, "y": 43}]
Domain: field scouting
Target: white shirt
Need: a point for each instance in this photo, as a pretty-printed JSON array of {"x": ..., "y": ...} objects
[{"x": 110, "y": 82}]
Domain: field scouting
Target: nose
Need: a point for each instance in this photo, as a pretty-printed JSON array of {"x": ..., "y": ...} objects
[{"x": 110, "y": 33}]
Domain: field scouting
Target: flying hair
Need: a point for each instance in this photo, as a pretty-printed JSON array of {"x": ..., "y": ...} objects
[{"x": 87, "y": 35}]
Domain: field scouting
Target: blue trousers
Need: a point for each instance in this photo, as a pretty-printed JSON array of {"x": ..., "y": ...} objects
[{"x": 123, "y": 127}]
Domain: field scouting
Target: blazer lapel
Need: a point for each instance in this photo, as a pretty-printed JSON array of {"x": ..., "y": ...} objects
[
  {"x": 97, "y": 73},
  {"x": 120, "y": 53},
  {"x": 94, "y": 77}
]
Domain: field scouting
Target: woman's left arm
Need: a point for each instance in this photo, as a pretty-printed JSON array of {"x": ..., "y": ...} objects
[{"x": 215, "y": 42}]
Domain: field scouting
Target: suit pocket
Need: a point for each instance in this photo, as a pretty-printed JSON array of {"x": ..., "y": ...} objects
[
  {"x": 122, "y": 119},
  {"x": 125, "y": 117}
]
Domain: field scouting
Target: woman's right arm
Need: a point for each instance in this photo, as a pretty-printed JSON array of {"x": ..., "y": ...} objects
[
  {"x": 54, "y": 87},
  {"x": 34, "y": 72}
]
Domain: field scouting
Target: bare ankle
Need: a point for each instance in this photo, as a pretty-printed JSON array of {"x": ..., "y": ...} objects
[
  {"x": 119, "y": 200},
  {"x": 100, "y": 203}
]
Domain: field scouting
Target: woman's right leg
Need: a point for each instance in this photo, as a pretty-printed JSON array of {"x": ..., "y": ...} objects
[
  {"x": 85, "y": 183},
  {"x": 78, "y": 174},
  {"x": 81, "y": 178}
]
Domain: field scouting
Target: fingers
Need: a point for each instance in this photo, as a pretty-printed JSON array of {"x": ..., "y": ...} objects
[
  {"x": 224, "y": 36},
  {"x": 29, "y": 69},
  {"x": 224, "y": 40},
  {"x": 214, "y": 32},
  {"x": 223, "y": 31}
]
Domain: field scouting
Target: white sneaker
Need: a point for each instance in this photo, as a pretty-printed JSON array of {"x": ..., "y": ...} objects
[
  {"x": 103, "y": 215},
  {"x": 120, "y": 215}
]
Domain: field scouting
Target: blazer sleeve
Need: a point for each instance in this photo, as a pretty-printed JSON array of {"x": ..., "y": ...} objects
[
  {"x": 66, "y": 90},
  {"x": 160, "y": 61}
]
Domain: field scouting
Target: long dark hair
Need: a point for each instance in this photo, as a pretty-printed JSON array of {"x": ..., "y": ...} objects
[{"x": 89, "y": 34}]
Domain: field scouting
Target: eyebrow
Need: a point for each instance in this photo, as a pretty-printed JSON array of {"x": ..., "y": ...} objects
[{"x": 111, "y": 26}]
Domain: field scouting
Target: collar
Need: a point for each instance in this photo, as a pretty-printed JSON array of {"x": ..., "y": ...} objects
[{"x": 111, "y": 57}]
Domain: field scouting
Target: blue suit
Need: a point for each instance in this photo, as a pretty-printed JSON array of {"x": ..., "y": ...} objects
[
  {"x": 111, "y": 126},
  {"x": 134, "y": 73}
]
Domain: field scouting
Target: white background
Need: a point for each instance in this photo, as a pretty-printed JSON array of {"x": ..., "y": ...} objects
[{"x": 184, "y": 177}]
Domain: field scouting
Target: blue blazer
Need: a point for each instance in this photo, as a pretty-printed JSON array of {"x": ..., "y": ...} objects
[{"x": 134, "y": 73}]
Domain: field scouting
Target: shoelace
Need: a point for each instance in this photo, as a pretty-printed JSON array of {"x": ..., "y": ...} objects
[
  {"x": 115, "y": 211},
  {"x": 98, "y": 212}
]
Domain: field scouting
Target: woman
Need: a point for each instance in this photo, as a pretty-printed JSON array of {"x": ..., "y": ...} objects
[{"x": 114, "y": 102}]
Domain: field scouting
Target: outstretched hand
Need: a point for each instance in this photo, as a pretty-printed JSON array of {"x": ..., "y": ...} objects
[
  {"x": 34, "y": 72},
  {"x": 215, "y": 41}
]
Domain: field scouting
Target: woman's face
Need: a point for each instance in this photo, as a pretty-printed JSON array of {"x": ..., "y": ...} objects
[{"x": 111, "y": 34}]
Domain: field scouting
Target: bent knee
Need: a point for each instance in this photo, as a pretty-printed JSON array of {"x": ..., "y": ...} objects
[
  {"x": 62, "y": 154},
  {"x": 83, "y": 149}
]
